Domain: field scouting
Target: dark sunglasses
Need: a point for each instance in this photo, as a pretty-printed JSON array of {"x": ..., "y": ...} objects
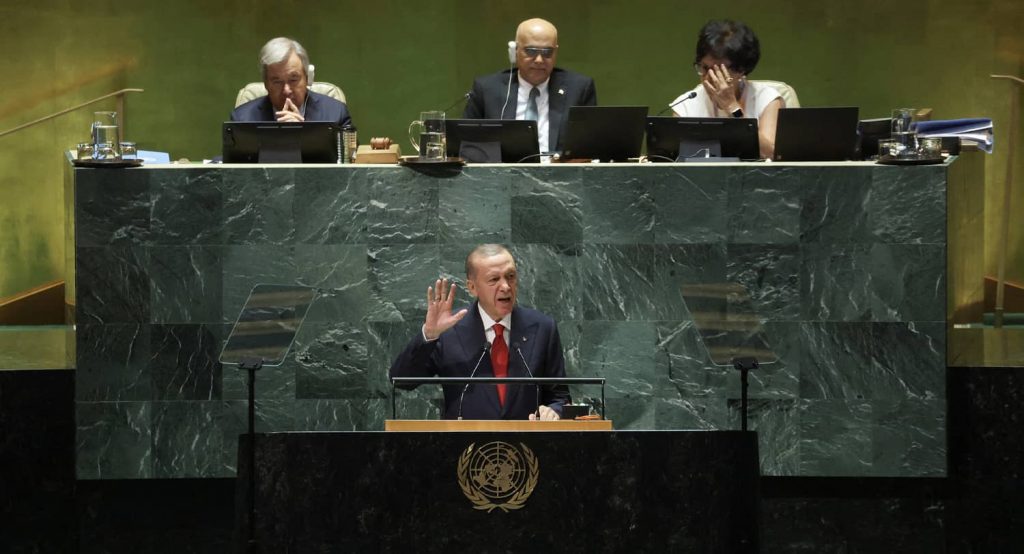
[{"x": 534, "y": 51}]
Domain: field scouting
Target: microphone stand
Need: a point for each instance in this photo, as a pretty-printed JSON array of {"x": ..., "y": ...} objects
[
  {"x": 471, "y": 374},
  {"x": 535, "y": 387},
  {"x": 693, "y": 94}
]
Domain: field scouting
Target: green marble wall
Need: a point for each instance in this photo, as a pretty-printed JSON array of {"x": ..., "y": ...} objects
[
  {"x": 846, "y": 263},
  {"x": 395, "y": 58}
]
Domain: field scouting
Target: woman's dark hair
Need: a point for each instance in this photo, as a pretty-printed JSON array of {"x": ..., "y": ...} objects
[{"x": 729, "y": 40}]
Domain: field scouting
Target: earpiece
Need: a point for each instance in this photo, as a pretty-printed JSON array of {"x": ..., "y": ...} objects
[
  {"x": 309, "y": 74},
  {"x": 512, "y": 52}
]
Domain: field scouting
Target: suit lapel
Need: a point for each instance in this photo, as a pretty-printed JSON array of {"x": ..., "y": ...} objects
[
  {"x": 513, "y": 99},
  {"x": 556, "y": 109}
]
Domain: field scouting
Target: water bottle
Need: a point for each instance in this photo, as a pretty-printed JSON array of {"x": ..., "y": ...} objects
[{"x": 350, "y": 143}]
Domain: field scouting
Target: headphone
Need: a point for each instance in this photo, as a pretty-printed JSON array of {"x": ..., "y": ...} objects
[{"x": 512, "y": 52}]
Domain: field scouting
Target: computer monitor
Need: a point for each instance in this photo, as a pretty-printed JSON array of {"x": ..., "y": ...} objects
[
  {"x": 816, "y": 134},
  {"x": 606, "y": 133},
  {"x": 492, "y": 140},
  {"x": 672, "y": 139},
  {"x": 273, "y": 142},
  {"x": 868, "y": 133}
]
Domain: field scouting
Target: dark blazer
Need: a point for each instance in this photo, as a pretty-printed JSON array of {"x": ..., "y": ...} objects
[
  {"x": 318, "y": 108},
  {"x": 457, "y": 350},
  {"x": 565, "y": 89}
]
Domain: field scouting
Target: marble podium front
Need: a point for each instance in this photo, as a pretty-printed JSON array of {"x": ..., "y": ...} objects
[{"x": 847, "y": 263}]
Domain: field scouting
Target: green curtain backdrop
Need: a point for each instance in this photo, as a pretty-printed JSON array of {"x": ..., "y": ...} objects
[{"x": 394, "y": 59}]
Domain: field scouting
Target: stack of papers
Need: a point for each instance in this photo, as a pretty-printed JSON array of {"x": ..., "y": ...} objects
[{"x": 975, "y": 130}]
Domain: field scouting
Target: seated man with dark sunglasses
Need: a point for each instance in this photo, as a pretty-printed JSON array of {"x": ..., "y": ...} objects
[{"x": 535, "y": 88}]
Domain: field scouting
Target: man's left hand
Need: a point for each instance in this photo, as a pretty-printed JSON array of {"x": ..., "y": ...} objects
[{"x": 546, "y": 414}]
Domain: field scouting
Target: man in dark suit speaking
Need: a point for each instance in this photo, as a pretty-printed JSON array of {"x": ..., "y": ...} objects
[
  {"x": 287, "y": 75},
  {"x": 492, "y": 338},
  {"x": 536, "y": 89}
]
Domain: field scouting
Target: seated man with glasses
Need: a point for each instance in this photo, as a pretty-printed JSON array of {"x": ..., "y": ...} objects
[
  {"x": 535, "y": 88},
  {"x": 728, "y": 52}
]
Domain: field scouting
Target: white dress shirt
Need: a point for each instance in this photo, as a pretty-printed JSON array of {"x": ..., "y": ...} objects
[{"x": 542, "y": 111}]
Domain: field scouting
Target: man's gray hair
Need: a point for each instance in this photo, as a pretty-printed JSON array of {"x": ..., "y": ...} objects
[
  {"x": 483, "y": 251},
  {"x": 277, "y": 50}
]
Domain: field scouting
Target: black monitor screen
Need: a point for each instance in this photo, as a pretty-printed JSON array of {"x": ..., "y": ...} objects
[
  {"x": 492, "y": 140},
  {"x": 271, "y": 142},
  {"x": 672, "y": 139}
]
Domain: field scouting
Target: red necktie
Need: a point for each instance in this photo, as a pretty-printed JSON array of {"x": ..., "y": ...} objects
[{"x": 499, "y": 359}]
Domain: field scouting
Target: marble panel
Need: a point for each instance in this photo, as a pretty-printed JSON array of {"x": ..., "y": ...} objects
[
  {"x": 403, "y": 207},
  {"x": 676, "y": 265},
  {"x": 835, "y": 437},
  {"x": 547, "y": 205},
  {"x": 837, "y": 361},
  {"x": 909, "y": 282},
  {"x": 331, "y": 361},
  {"x": 908, "y": 437},
  {"x": 113, "y": 440},
  {"x": 251, "y": 265},
  {"x": 909, "y": 358},
  {"x": 339, "y": 273},
  {"x": 908, "y": 207},
  {"x": 258, "y": 206},
  {"x": 187, "y": 207},
  {"x": 771, "y": 275},
  {"x": 112, "y": 284},
  {"x": 476, "y": 207},
  {"x": 618, "y": 206},
  {"x": 186, "y": 284},
  {"x": 834, "y": 205},
  {"x": 777, "y": 423},
  {"x": 691, "y": 204},
  {"x": 194, "y": 439},
  {"x": 398, "y": 277},
  {"x": 618, "y": 282},
  {"x": 113, "y": 362},
  {"x": 330, "y": 207},
  {"x": 764, "y": 206},
  {"x": 836, "y": 282},
  {"x": 623, "y": 353},
  {"x": 184, "y": 361},
  {"x": 112, "y": 211}
]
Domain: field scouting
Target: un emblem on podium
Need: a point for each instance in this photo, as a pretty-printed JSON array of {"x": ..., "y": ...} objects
[{"x": 498, "y": 475}]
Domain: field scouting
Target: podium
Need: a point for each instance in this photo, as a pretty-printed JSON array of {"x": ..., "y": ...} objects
[{"x": 480, "y": 491}]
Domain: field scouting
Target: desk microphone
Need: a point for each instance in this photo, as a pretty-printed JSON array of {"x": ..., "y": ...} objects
[
  {"x": 535, "y": 386},
  {"x": 471, "y": 374},
  {"x": 693, "y": 94},
  {"x": 461, "y": 99}
]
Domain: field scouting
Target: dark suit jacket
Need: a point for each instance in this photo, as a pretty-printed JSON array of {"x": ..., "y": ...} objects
[
  {"x": 318, "y": 108},
  {"x": 565, "y": 89},
  {"x": 457, "y": 350}
]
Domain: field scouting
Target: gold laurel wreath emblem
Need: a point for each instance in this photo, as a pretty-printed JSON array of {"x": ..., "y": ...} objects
[{"x": 482, "y": 501}]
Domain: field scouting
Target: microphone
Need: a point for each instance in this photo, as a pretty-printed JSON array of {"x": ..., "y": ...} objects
[
  {"x": 461, "y": 99},
  {"x": 692, "y": 95},
  {"x": 535, "y": 386},
  {"x": 471, "y": 374}
]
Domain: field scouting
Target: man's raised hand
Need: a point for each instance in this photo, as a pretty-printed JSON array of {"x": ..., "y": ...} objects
[{"x": 439, "y": 309}]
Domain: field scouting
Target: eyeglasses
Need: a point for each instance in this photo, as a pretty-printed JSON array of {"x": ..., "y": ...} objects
[
  {"x": 702, "y": 69},
  {"x": 533, "y": 51}
]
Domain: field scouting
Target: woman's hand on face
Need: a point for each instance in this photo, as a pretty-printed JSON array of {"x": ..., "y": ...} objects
[{"x": 722, "y": 87}]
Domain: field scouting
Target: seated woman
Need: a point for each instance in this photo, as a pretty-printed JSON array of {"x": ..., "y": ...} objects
[{"x": 728, "y": 52}]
